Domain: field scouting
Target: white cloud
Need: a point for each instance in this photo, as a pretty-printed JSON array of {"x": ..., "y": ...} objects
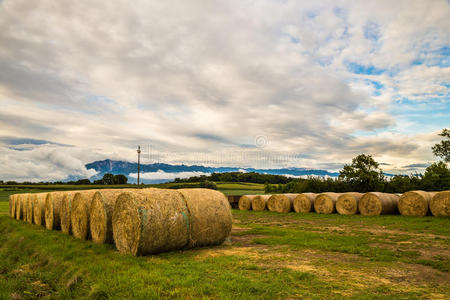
[
  {"x": 208, "y": 76},
  {"x": 41, "y": 163}
]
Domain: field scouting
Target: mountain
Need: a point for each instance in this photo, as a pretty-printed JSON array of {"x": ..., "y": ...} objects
[{"x": 159, "y": 172}]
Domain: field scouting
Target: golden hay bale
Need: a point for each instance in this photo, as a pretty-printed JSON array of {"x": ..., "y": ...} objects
[
  {"x": 79, "y": 214},
  {"x": 304, "y": 202},
  {"x": 101, "y": 211},
  {"x": 271, "y": 202},
  {"x": 20, "y": 202},
  {"x": 325, "y": 203},
  {"x": 53, "y": 203},
  {"x": 39, "y": 208},
  {"x": 65, "y": 211},
  {"x": 347, "y": 203},
  {"x": 375, "y": 203},
  {"x": 245, "y": 202},
  {"x": 210, "y": 216},
  {"x": 259, "y": 203},
  {"x": 29, "y": 210},
  {"x": 440, "y": 204},
  {"x": 283, "y": 203},
  {"x": 415, "y": 203},
  {"x": 150, "y": 221},
  {"x": 155, "y": 220}
]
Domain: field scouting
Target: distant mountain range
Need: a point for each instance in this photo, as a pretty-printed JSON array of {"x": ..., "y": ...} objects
[{"x": 160, "y": 172}]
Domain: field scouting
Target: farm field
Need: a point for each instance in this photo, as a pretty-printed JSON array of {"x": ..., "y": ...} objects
[{"x": 270, "y": 256}]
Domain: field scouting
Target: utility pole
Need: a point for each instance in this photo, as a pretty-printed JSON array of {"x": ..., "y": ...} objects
[{"x": 139, "y": 162}]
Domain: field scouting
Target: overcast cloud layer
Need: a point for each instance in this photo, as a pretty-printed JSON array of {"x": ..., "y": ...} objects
[{"x": 220, "y": 82}]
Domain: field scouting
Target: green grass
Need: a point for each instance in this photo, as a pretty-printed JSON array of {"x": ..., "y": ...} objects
[{"x": 272, "y": 256}]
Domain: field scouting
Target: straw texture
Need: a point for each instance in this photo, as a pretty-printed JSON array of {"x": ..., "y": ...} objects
[
  {"x": 440, "y": 204},
  {"x": 375, "y": 203},
  {"x": 415, "y": 203},
  {"x": 39, "y": 208},
  {"x": 325, "y": 203},
  {"x": 304, "y": 203},
  {"x": 259, "y": 202},
  {"x": 347, "y": 203}
]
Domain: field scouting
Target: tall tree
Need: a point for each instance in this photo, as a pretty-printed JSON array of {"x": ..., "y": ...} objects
[
  {"x": 443, "y": 148},
  {"x": 363, "y": 174},
  {"x": 437, "y": 177}
]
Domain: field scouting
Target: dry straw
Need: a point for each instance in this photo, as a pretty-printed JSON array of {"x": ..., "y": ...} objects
[
  {"x": 39, "y": 208},
  {"x": 273, "y": 200},
  {"x": 325, "y": 203},
  {"x": 210, "y": 217},
  {"x": 53, "y": 203},
  {"x": 440, "y": 204},
  {"x": 245, "y": 202},
  {"x": 20, "y": 201},
  {"x": 29, "y": 210},
  {"x": 303, "y": 203},
  {"x": 415, "y": 203},
  {"x": 259, "y": 202},
  {"x": 65, "y": 210},
  {"x": 347, "y": 204},
  {"x": 79, "y": 215},
  {"x": 283, "y": 203},
  {"x": 155, "y": 220},
  {"x": 375, "y": 203},
  {"x": 101, "y": 211},
  {"x": 150, "y": 221}
]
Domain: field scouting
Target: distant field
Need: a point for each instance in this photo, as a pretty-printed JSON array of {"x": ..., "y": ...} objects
[
  {"x": 271, "y": 256},
  {"x": 228, "y": 188}
]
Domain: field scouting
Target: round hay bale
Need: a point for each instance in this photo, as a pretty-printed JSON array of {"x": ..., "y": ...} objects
[
  {"x": 20, "y": 202},
  {"x": 39, "y": 208},
  {"x": 53, "y": 203},
  {"x": 415, "y": 203},
  {"x": 79, "y": 215},
  {"x": 325, "y": 203},
  {"x": 245, "y": 202},
  {"x": 101, "y": 211},
  {"x": 259, "y": 203},
  {"x": 210, "y": 216},
  {"x": 303, "y": 203},
  {"x": 283, "y": 203},
  {"x": 150, "y": 221},
  {"x": 440, "y": 204},
  {"x": 376, "y": 203},
  {"x": 29, "y": 210},
  {"x": 65, "y": 211},
  {"x": 271, "y": 202},
  {"x": 347, "y": 203}
]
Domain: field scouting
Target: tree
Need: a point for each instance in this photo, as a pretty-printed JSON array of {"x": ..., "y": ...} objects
[
  {"x": 363, "y": 174},
  {"x": 443, "y": 148},
  {"x": 437, "y": 177},
  {"x": 83, "y": 181},
  {"x": 108, "y": 178},
  {"x": 120, "y": 179},
  {"x": 208, "y": 185}
]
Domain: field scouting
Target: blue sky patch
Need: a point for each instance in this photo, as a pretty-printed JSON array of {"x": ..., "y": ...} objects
[{"x": 361, "y": 69}]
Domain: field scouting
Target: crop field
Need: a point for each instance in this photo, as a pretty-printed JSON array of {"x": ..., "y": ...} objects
[{"x": 270, "y": 255}]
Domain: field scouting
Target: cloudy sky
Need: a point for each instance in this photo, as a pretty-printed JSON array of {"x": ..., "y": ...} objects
[{"x": 243, "y": 83}]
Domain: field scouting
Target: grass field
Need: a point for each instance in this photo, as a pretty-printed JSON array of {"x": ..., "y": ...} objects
[{"x": 270, "y": 256}]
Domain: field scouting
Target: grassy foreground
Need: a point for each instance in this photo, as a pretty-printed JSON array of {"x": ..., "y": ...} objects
[{"x": 271, "y": 256}]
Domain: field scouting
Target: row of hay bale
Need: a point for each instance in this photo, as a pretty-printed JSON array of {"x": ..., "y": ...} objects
[
  {"x": 412, "y": 203},
  {"x": 137, "y": 221}
]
